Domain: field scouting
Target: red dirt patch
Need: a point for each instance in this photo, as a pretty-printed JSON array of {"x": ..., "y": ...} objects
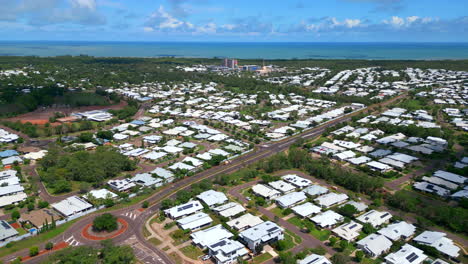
[
  {"x": 15, "y": 225},
  {"x": 86, "y": 234},
  {"x": 141, "y": 209},
  {"x": 58, "y": 246},
  {"x": 41, "y": 116}
]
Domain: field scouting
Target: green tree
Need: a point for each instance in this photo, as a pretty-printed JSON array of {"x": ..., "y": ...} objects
[
  {"x": 33, "y": 251},
  {"x": 15, "y": 215},
  {"x": 105, "y": 222},
  {"x": 49, "y": 245}
]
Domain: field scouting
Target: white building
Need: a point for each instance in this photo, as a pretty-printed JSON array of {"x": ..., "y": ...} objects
[
  {"x": 348, "y": 231},
  {"x": 212, "y": 197},
  {"x": 439, "y": 241},
  {"x": 261, "y": 234},
  {"x": 290, "y": 199},
  {"x": 227, "y": 251},
  {"x": 72, "y": 206},
  {"x": 306, "y": 209},
  {"x": 245, "y": 221},
  {"x": 327, "y": 219},
  {"x": 314, "y": 259},
  {"x": 209, "y": 236},
  {"x": 375, "y": 218},
  {"x": 331, "y": 199},
  {"x": 406, "y": 255},
  {"x": 397, "y": 231},
  {"x": 265, "y": 191},
  {"x": 121, "y": 185},
  {"x": 374, "y": 245},
  {"x": 195, "y": 221},
  {"x": 184, "y": 209}
]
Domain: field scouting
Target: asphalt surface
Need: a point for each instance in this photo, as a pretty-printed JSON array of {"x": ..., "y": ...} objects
[{"x": 73, "y": 234}]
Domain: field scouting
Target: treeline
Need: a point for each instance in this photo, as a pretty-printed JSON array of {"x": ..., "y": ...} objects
[
  {"x": 57, "y": 168},
  {"x": 297, "y": 158},
  {"x": 453, "y": 218}
]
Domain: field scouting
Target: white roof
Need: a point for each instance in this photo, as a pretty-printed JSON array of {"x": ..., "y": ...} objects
[
  {"x": 306, "y": 209},
  {"x": 121, "y": 185},
  {"x": 194, "y": 221},
  {"x": 290, "y": 199},
  {"x": 195, "y": 162},
  {"x": 265, "y": 191},
  {"x": 184, "y": 209},
  {"x": 11, "y": 199},
  {"x": 210, "y": 235},
  {"x": 212, "y": 197},
  {"x": 264, "y": 231},
  {"x": 102, "y": 194},
  {"x": 71, "y": 206},
  {"x": 375, "y": 218},
  {"x": 163, "y": 173},
  {"x": 226, "y": 250},
  {"x": 331, "y": 199},
  {"x": 10, "y": 189},
  {"x": 360, "y": 206},
  {"x": 181, "y": 166},
  {"x": 398, "y": 230},
  {"x": 348, "y": 231},
  {"x": 450, "y": 176},
  {"x": 314, "y": 259},
  {"x": 406, "y": 255},
  {"x": 327, "y": 218},
  {"x": 375, "y": 244},
  {"x": 229, "y": 209},
  {"x": 315, "y": 190},
  {"x": 439, "y": 241},
  {"x": 282, "y": 186},
  {"x": 296, "y": 180},
  {"x": 245, "y": 221},
  {"x": 146, "y": 179}
]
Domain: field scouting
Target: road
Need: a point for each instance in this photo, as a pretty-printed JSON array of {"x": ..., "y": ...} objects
[{"x": 135, "y": 225}]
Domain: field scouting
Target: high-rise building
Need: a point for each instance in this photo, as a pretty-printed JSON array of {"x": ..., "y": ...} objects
[{"x": 230, "y": 63}]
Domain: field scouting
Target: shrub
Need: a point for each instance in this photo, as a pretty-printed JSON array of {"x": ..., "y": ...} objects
[{"x": 106, "y": 222}]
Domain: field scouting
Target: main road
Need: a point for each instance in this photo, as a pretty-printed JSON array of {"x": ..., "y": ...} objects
[{"x": 136, "y": 219}]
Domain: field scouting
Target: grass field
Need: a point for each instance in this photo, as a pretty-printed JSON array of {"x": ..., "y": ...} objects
[
  {"x": 155, "y": 241},
  {"x": 296, "y": 221},
  {"x": 261, "y": 258},
  {"x": 278, "y": 212},
  {"x": 192, "y": 252},
  {"x": 321, "y": 235}
]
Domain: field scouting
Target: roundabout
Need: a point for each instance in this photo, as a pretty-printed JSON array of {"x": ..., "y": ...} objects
[{"x": 88, "y": 233}]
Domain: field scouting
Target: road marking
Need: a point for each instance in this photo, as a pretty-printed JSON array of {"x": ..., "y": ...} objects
[
  {"x": 130, "y": 215},
  {"x": 72, "y": 241}
]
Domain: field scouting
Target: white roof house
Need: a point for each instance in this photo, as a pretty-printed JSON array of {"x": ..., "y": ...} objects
[
  {"x": 71, "y": 206},
  {"x": 452, "y": 177},
  {"x": 209, "y": 236},
  {"x": 146, "y": 179},
  {"x": 265, "y": 191},
  {"x": 348, "y": 231},
  {"x": 282, "y": 186},
  {"x": 327, "y": 219},
  {"x": 375, "y": 218},
  {"x": 439, "y": 241},
  {"x": 6, "y": 231},
  {"x": 360, "y": 206},
  {"x": 245, "y": 221},
  {"x": 121, "y": 185},
  {"x": 296, "y": 180},
  {"x": 314, "y": 190},
  {"x": 398, "y": 231},
  {"x": 406, "y": 255},
  {"x": 227, "y": 251},
  {"x": 314, "y": 259},
  {"x": 181, "y": 166},
  {"x": 212, "y": 197},
  {"x": 229, "y": 209},
  {"x": 290, "y": 199},
  {"x": 102, "y": 194},
  {"x": 164, "y": 174},
  {"x": 195, "y": 221},
  {"x": 374, "y": 245},
  {"x": 306, "y": 209},
  {"x": 263, "y": 233},
  {"x": 184, "y": 209},
  {"x": 331, "y": 199}
]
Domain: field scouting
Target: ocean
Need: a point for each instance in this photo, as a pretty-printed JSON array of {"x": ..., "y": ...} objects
[{"x": 240, "y": 50}]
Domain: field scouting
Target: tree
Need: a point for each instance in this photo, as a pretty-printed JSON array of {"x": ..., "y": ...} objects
[
  {"x": 30, "y": 206},
  {"x": 332, "y": 241},
  {"x": 359, "y": 256},
  {"x": 347, "y": 210},
  {"x": 49, "y": 245},
  {"x": 145, "y": 204},
  {"x": 343, "y": 245},
  {"x": 62, "y": 186},
  {"x": 105, "y": 222},
  {"x": 340, "y": 259},
  {"x": 42, "y": 204},
  {"x": 15, "y": 215},
  {"x": 33, "y": 251}
]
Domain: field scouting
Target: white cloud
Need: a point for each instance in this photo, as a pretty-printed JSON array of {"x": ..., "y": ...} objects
[{"x": 350, "y": 23}]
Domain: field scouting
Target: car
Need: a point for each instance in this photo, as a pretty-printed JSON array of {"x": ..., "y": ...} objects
[
  {"x": 205, "y": 257},
  {"x": 248, "y": 198}
]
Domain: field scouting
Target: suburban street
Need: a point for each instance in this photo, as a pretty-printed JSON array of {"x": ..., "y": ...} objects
[{"x": 136, "y": 220}]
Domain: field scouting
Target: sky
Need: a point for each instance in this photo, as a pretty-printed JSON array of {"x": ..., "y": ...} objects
[{"x": 236, "y": 20}]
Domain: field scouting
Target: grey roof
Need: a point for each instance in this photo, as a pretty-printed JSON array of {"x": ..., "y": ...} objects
[
  {"x": 263, "y": 231},
  {"x": 290, "y": 199}
]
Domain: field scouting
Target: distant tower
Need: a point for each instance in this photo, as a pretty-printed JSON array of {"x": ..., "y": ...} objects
[{"x": 230, "y": 63}]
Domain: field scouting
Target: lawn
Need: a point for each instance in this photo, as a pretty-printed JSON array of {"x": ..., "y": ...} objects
[
  {"x": 176, "y": 258},
  {"x": 321, "y": 235},
  {"x": 296, "y": 221},
  {"x": 35, "y": 240},
  {"x": 155, "y": 241},
  {"x": 178, "y": 241},
  {"x": 21, "y": 231},
  {"x": 370, "y": 261},
  {"x": 278, "y": 212},
  {"x": 297, "y": 239},
  {"x": 261, "y": 258},
  {"x": 192, "y": 252},
  {"x": 146, "y": 233},
  {"x": 289, "y": 240}
]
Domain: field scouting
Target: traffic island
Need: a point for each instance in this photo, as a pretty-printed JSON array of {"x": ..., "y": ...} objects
[{"x": 90, "y": 234}]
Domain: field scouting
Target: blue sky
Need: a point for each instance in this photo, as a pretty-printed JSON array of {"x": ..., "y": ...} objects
[{"x": 235, "y": 20}]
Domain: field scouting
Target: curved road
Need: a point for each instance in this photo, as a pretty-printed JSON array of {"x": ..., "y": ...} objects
[{"x": 73, "y": 234}]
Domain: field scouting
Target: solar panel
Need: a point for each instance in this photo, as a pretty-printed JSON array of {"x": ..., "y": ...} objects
[
  {"x": 272, "y": 229},
  {"x": 5, "y": 225},
  {"x": 384, "y": 215},
  {"x": 219, "y": 244},
  {"x": 412, "y": 257},
  {"x": 353, "y": 226},
  {"x": 312, "y": 261},
  {"x": 184, "y": 207}
]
